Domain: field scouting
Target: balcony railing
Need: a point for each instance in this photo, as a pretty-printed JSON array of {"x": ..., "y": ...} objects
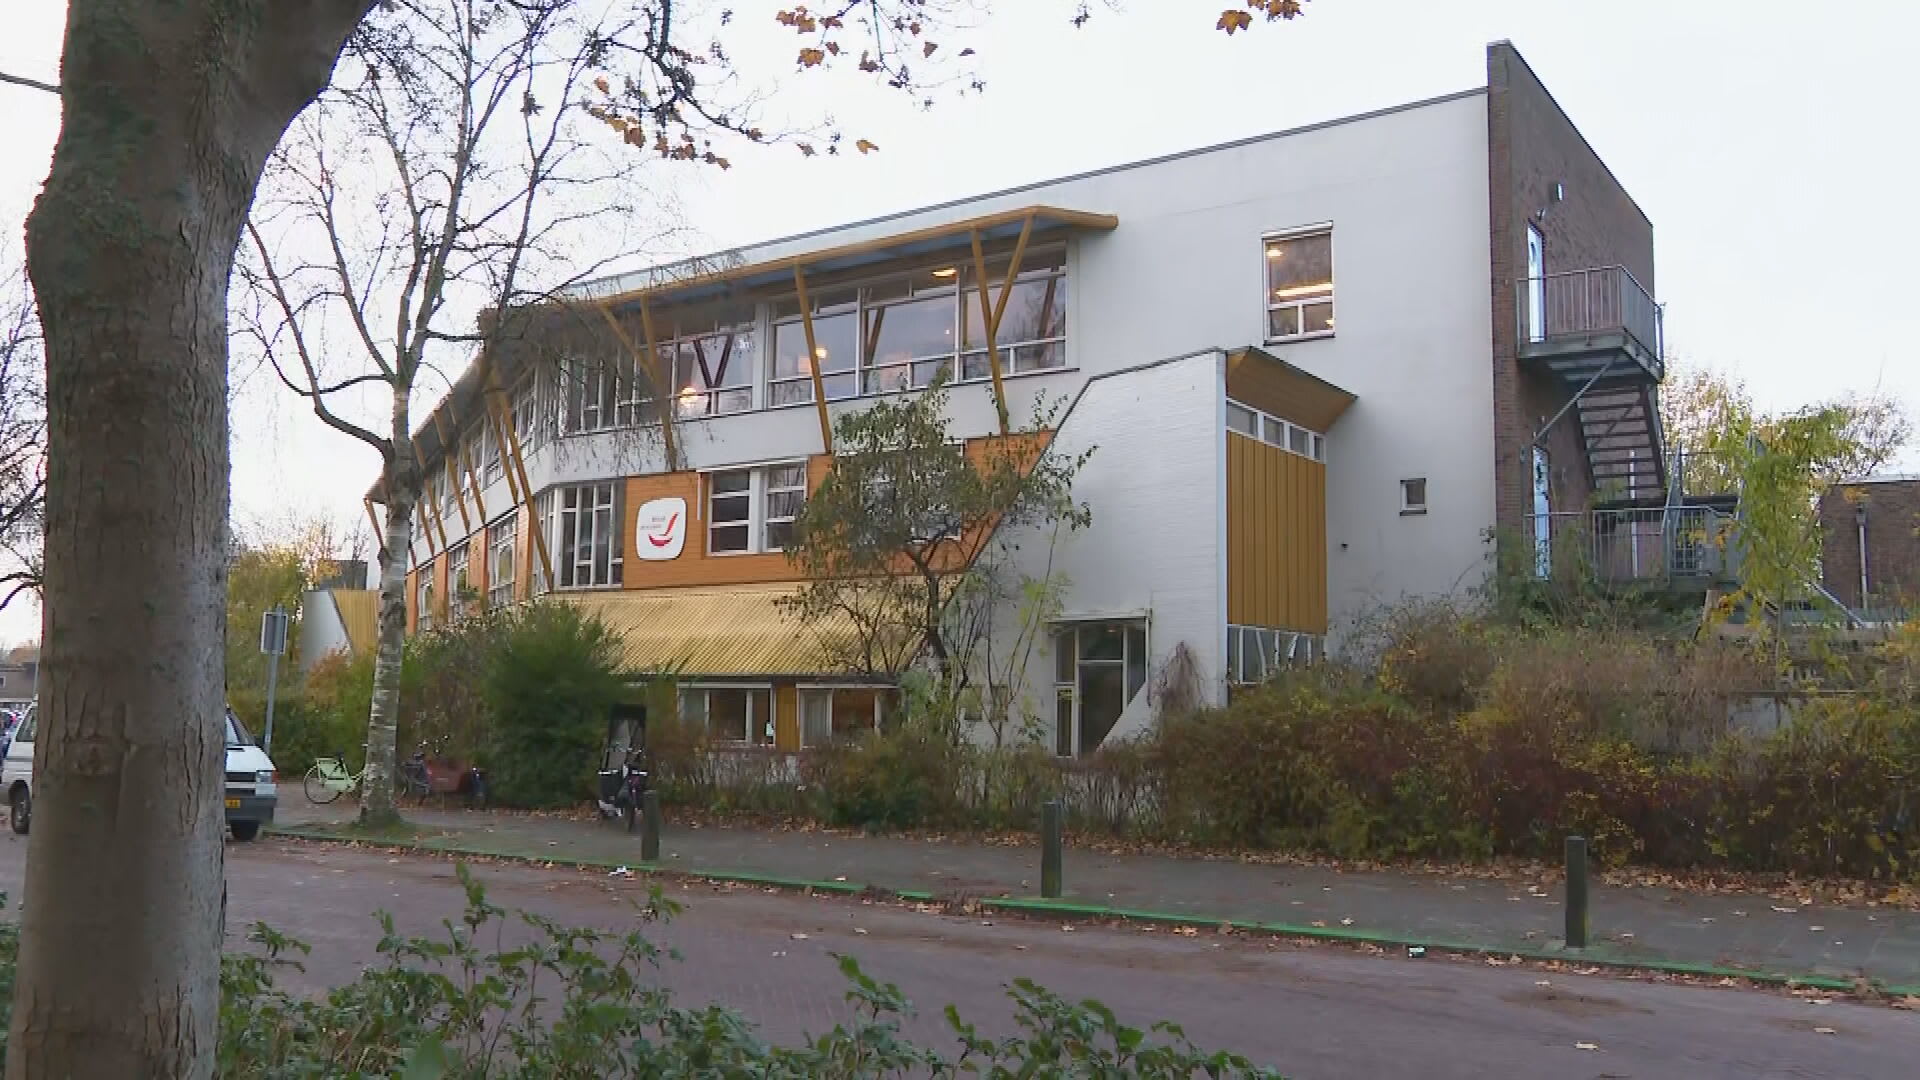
[
  {"x": 1621, "y": 546},
  {"x": 1586, "y": 304}
]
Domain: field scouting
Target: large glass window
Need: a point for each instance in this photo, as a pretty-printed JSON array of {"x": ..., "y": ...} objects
[
  {"x": 589, "y": 547},
  {"x": 591, "y": 387},
  {"x": 1099, "y": 667},
  {"x": 423, "y": 598},
  {"x": 830, "y": 713},
  {"x": 1033, "y": 326},
  {"x": 730, "y": 714},
  {"x": 786, "y": 492},
  {"x": 500, "y": 552},
  {"x": 542, "y": 521},
  {"x": 1299, "y": 284},
  {"x": 1256, "y": 654},
  {"x": 908, "y": 330},
  {"x": 486, "y": 452},
  {"x": 711, "y": 358},
  {"x": 730, "y": 512},
  {"x": 836, "y": 348}
]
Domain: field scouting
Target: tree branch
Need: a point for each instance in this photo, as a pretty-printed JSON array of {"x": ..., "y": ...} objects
[{"x": 31, "y": 84}]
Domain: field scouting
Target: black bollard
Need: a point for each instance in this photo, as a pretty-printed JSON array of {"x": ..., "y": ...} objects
[
  {"x": 650, "y": 827},
  {"x": 1576, "y": 892},
  {"x": 1052, "y": 815}
]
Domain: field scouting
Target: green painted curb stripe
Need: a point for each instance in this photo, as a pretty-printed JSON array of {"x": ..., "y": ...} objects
[{"x": 1071, "y": 909}]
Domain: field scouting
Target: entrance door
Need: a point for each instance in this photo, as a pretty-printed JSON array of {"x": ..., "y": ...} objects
[
  {"x": 1536, "y": 285},
  {"x": 1542, "y": 513}
]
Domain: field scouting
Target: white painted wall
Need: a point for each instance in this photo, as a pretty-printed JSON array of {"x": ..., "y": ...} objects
[
  {"x": 1406, "y": 192},
  {"x": 1159, "y": 521},
  {"x": 321, "y": 630}
]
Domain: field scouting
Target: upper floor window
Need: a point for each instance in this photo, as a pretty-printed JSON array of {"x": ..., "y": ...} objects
[
  {"x": 711, "y": 360},
  {"x": 486, "y": 452},
  {"x": 1284, "y": 434},
  {"x": 589, "y": 548},
  {"x": 532, "y": 412},
  {"x": 752, "y": 510},
  {"x": 903, "y": 331},
  {"x": 599, "y": 392},
  {"x": 542, "y": 582},
  {"x": 500, "y": 550},
  {"x": 1300, "y": 284}
]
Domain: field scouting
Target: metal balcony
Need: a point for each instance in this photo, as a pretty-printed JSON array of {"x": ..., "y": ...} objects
[
  {"x": 1682, "y": 544},
  {"x": 1584, "y": 322}
]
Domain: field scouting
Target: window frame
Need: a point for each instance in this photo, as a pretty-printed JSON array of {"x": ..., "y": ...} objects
[
  {"x": 570, "y": 560},
  {"x": 756, "y": 495},
  {"x": 1279, "y": 433},
  {"x": 802, "y": 690},
  {"x": 1297, "y": 304},
  {"x": 1067, "y": 693},
  {"x": 423, "y": 597},
  {"x": 1409, "y": 507},
  {"x": 505, "y": 528},
  {"x": 750, "y": 689},
  {"x": 1276, "y": 649},
  {"x": 459, "y": 574}
]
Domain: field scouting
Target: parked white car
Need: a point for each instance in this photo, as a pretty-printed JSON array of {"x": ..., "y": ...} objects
[{"x": 251, "y": 796}]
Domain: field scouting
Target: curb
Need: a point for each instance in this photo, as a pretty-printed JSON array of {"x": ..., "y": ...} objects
[{"x": 1094, "y": 912}]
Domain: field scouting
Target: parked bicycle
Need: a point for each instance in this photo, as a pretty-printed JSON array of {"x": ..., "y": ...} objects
[{"x": 330, "y": 778}]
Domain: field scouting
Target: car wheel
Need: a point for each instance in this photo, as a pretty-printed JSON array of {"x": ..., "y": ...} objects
[
  {"x": 21, "y": 809},
  {"x": 244, "y": 831}
]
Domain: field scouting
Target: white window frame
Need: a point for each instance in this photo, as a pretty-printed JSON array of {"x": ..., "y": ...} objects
[
  {"x": 459, "y": 573},
  {"x": 1069, "y": 692},
  {"x": 541, "y": 581},
  {"x": 486, "y": 453},
  {"x": 606, "y": 495},
  {"x": 756, "y": 495},
  {"x": 1257, "y": 653},
  {"x": 423, "y": 599},
  {"x": 1275, "y": 432},
  {"x": 502, "y": 534},
  {"x": 802, "y": 690},
  {"x": 1297, "y": 303},
  {"x": 770, "y": 724},
  {"x": 767, "y": 491}
]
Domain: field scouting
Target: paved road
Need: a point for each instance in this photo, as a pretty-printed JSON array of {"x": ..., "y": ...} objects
[
  {"x": 1312, "y": 1011},
  {"x": 1639, "y": 922}
]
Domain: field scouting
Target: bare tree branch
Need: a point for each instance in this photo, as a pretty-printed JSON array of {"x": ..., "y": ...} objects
[{"x": 31, "y": 84}]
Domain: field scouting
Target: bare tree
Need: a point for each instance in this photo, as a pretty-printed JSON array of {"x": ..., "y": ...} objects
[{"x": 23, "y": 437}]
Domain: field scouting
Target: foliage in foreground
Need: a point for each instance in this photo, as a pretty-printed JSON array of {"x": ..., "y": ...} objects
[{"x": 568, "y": 1003}]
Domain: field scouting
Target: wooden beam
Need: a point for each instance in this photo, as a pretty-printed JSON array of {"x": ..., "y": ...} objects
[
  {"x": 992, "y": 324},
  {"x": 663, "y": 388},
  {"x": 813, "y": 360},
  {"x": 473, "y": 477},
  {"x": 518, "y": 463},
  {"x": 449, "y": 449},
  {"x": 500, "y": 414},
  {"x": 379, "y": 534},
  {"x": 430, "y": 516}
]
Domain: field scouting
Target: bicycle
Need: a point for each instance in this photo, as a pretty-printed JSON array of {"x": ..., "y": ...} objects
[{"x": 329, "y": 779}]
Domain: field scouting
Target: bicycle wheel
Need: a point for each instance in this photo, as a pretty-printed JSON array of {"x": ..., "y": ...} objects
[{"x": 319, "y": 791}]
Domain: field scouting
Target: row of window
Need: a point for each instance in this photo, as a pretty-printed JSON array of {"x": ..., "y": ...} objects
[
  {"x": 1288, "y": 436},
  {"x": 1256, "y": 654},
  {"x": 748, "y": 511},
  {"x": 745, "y": 714}
]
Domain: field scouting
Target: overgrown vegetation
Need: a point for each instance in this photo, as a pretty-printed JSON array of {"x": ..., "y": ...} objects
[
  {"x": 588, "y": 1004},
  {"x": 1453, "y": 735}
]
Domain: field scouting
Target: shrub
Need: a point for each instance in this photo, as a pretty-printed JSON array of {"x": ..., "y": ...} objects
[
  {"x": 902, "y": 778},
  {"x": 548, "y": 689}
]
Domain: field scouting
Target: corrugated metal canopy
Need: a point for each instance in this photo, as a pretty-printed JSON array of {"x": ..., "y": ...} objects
[{"x": 718, "y": 631}]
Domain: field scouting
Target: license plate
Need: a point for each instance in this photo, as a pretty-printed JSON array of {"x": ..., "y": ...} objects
[{"x": 233, "y": 804}]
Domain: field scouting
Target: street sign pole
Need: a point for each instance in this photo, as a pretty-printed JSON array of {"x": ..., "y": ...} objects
[{"x": 273, "y": 642}]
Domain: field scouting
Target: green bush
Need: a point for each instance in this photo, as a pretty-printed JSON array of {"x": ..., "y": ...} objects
[
  {"x": 549, "y": 686},
  {"x": 896, "y": 779}
]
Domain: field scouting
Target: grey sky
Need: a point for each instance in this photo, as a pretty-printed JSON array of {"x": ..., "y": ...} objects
[{"x": 1763, "y": 139}]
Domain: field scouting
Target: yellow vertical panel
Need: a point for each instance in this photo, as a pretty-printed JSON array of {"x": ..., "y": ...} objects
[
  {"x": 1236, "y": 529},
  {"x": 413, "y": 591},
  {"x": 523, "y": 558},
  {"x": 786, "y": 717},
  {"x": 1320, "y": 546},
  {"x": 1259, "y": 551},
  {"x": 1299, "y": 557},
  {"x": 1276, "y": 536}
]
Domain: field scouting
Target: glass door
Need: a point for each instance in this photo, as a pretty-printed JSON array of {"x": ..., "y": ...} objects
[{"x": 1536, "y": 285}]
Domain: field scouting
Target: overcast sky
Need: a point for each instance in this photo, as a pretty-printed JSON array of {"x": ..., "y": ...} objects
[{"x": 1770, "y": 141}]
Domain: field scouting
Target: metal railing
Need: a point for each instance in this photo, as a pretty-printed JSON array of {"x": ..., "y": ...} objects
[
  {"x": 1617, "y": 546},
  {"x": 1578, "y": 303}
]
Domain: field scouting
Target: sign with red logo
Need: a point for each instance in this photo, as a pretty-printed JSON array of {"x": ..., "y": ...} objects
[{"x": 662, "y": 529}]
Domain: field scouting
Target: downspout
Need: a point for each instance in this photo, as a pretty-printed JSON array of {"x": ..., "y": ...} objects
[{"x": 1860, "y": 521}]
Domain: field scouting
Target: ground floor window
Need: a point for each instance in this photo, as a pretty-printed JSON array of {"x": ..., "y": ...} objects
[
  {"x": 1099, "y": 667},
  {"x": 1256, "y": 653},
  {"x": 837, "y": 712},
  {"x": 730, "y": 714}
]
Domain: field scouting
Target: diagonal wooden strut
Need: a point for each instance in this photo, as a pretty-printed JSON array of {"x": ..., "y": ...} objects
[{"x": 813, "y": 360}]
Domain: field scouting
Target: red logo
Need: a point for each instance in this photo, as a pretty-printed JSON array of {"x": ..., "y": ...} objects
[{"x": 665, "y": 535}]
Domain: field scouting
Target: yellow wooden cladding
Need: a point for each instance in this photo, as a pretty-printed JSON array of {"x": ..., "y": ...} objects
[
  {"x": 786, "y": 717},
  {"x": 1276, "y": 538}
]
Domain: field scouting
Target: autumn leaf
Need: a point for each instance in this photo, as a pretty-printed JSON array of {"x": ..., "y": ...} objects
[
  {"x": 1232, "y": 21},
  {"x": 966, "y": 52},
  {"x": 812, "y": 57},
  {"x": 601, "y": 85},
  {"x": 865, "y": 147},
  {"x": 868, "y": 63},
  {"x": 928, "y": 48},
  {"x": 806, "y": 149}
]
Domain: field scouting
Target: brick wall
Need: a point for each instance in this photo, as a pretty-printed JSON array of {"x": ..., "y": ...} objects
[
  {"x": 1893, "y": 541},
  {"x": 1531, "y": 145}
]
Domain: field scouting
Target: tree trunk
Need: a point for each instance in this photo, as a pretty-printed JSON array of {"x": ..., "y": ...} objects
[
  {"x": 169, "y": 114},
  {"x": 402, "y": 483}
]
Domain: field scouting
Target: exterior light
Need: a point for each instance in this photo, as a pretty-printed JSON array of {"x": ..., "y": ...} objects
[{"x": 946, "y": 272}]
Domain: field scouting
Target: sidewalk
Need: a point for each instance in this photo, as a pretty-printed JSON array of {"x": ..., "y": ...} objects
[{"x": 1648, "y": 925}]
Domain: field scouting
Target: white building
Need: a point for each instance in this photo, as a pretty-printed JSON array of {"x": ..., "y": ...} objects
[{"x": 1322, "y": 369}]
